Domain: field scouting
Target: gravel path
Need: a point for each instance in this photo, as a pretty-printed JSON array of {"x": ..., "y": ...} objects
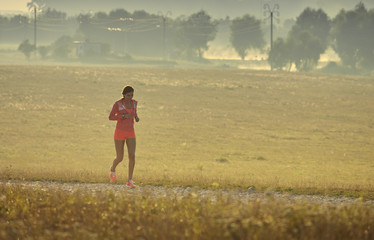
[{"x": 159, "y": 191}]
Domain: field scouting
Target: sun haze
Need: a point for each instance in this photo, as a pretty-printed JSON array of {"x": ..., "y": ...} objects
[{"x": 14, "y": 5}]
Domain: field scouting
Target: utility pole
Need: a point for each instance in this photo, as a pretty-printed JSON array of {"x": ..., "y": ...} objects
[
  {"x": 164, "y": 17},
  {"x": 163, "y": 36},
  {"x": 271, "y": 10},
  {"x": 35, "y": 5},
  {"x": 271, "y": 31}
]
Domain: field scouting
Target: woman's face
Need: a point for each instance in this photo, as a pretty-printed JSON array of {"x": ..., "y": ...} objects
[{"x": 128, "y": 96}]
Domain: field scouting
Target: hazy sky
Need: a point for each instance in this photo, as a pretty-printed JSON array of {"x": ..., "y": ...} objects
[{"x": 19, "y": 5}]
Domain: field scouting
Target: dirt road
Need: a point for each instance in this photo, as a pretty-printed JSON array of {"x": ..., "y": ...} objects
[{"x": 159, "y": 191}]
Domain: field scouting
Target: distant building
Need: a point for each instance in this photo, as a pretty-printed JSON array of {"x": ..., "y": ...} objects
[{"x": 84, "y": 49}]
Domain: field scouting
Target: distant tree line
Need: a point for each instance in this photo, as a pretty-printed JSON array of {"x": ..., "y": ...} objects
[
  {"x": 119, "y": 31},
  {"x": 349, "y": 34}
]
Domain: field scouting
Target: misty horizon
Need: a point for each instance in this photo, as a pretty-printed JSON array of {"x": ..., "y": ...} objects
[
  {"x": 125, "y": 31},
  {"x": 218, "y": 9}
]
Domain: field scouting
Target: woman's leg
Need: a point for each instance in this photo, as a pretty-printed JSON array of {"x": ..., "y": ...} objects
[
  {"x": 131, "y": 145},
  {"x": 119, "y": 144}
]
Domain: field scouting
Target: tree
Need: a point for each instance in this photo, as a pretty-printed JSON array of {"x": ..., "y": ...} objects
[
  {"x": 195, "y": 33},
  {"x": 43, "y": 51},
  {"x": 62, "y": 47},
  {"x": 353, "y": 34},
  {"x": 26, "y": 48},
  {"x": 4, "y": 21},
  {"x": 53, "y": 14},
  {"x": 246, "y": 33},
  {"x": 141, "y": 14},
  {"x": 302, "y": 50},
  {"x": 18, "y": 20},
  {"x": 119, "y": 13},
  {"x": 316, "y": 22},
  {"x": 305, "y": 51},
  {"x": 280, "y": 56},
  {"x": 308, "y": 38}
]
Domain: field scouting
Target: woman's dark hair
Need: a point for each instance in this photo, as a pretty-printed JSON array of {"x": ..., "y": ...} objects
[{"x": 126, "y": 90}]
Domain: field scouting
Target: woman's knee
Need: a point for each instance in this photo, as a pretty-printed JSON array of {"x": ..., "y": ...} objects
[{"x": 119, "y": 158}]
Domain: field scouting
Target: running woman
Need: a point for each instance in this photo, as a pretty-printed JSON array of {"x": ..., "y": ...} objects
[{"x": 124, "y": 112}]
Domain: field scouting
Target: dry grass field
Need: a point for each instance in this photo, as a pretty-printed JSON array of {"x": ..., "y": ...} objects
[
  {"x": 44, "y": 213},
  {"x": 304, "y": 133},
  {"x": 219, "y": 129}
]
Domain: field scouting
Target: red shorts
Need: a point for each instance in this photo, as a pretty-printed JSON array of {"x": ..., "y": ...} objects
[{"x": 123, "y": 135}]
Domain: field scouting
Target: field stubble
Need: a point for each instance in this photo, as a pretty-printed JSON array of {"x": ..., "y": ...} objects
[
  {"x": 43, "y": 210},
  {"x": 306, "y": 133}
]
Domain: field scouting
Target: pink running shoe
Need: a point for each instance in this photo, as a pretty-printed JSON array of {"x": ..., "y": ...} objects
[
  {"x": 113, "y": 176},
  {"x": 130, "y": 183}
]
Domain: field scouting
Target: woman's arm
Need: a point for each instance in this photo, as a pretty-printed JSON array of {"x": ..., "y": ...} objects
[
  {"x": 114, "y": 114},
  {"x": 136, "y": 111}
]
